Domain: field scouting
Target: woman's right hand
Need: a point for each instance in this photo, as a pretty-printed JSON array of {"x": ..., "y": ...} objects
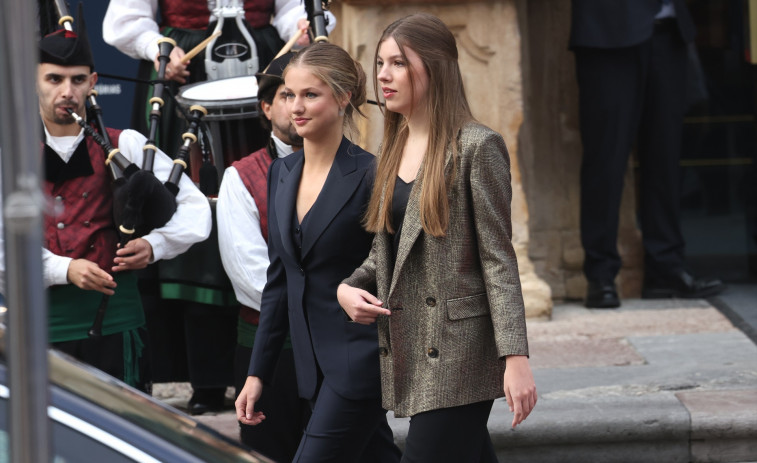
[
  {"x": 245, "y": 403},
  {"x": 361, "y": 306}
]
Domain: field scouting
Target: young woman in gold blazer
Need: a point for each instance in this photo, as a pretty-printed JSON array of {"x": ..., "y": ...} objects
[{"x": 442, "y": 276}]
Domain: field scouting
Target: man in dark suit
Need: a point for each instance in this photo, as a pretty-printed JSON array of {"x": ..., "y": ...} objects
[{"x": 631, "y": 71}]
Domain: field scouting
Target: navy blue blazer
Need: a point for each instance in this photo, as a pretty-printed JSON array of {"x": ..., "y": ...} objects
[
  {"x": 621, "y": 23},
  {"x": 300, "y": 294}
]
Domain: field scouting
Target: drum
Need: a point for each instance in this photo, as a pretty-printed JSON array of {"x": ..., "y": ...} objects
[{"x": 232, "y": 119}]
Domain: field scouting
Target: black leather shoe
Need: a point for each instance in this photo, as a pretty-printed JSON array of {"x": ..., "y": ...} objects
[
  {"x": 680, "y": 285},
  {"x": 602, "y": 295},
  {"x": 206, "y": 400}
]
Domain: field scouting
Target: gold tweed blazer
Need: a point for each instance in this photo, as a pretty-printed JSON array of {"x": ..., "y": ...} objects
[{"x": 456, "y": 301}]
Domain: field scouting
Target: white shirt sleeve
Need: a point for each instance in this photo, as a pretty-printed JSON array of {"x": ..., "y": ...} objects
[
  {"x": 192, "y": 220},
  {"x": 54, "y": 268},
  {"x": 244, "y": 252},
  {"x": 130, "y": 26},
  {"x": 288, "y": 12}
]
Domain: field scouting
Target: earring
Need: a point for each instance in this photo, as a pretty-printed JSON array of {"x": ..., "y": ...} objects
[{"x": 341, "y": 112}]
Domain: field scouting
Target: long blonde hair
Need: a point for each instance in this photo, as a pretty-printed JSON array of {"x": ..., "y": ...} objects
[{"x": 448, "y": 110}]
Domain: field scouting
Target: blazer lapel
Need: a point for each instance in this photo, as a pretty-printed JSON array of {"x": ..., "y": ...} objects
[
  {"x": 411, "y": 230},
  {"x": 286, "y": 198},
  {"x": 341, "y": 182}
]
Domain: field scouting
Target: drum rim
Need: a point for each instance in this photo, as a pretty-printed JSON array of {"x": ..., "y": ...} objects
[{"x": 220, "y": 103}]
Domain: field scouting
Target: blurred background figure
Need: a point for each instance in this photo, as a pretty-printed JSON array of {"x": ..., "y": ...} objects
[{"x": 631, "y": 62}]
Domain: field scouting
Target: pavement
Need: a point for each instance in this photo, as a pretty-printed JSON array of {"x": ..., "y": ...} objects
[{"x": 653, "y": 381}]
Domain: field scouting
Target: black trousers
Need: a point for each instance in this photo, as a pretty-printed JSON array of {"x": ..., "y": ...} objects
[
  {"x": 189, "y": 341},
  {"x": 278, "y": 436},
  {"x": 634, "y": 95},
  {"x": 107, "y": 353},
  {"x": 342, "y": 430},
  {"x": 454, "y": 435}
]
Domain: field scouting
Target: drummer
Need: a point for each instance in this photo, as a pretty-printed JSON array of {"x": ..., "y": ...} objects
[{"x": 131, "y": 26}]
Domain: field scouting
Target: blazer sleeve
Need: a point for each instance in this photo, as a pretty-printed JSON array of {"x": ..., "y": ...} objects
[
  {"x": 491, "y": 194},
  {"x": 364, "y": 277},
  {"x": 274, "y": 317}
]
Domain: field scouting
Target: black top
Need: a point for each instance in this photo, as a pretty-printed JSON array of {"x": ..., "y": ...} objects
[
  {"x": 297, "y": 228},
  {"x": 399, "y": 204}
]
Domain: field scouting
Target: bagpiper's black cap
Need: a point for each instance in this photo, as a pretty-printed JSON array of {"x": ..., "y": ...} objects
[
  {"x": 271, "y": 77},
  {"x": 67, "y": 48}
]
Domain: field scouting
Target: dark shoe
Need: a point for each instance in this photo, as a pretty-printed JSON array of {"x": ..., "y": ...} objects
[
  {"x": 680, "y": 285},
  {"x": 206, "y": 400},
  {"x": 602, "y": 295}
]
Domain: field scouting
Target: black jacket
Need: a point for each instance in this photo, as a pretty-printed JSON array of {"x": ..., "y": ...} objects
[
  {"x": 300, "y": 292},
  {"x": 621, "y": 23}
]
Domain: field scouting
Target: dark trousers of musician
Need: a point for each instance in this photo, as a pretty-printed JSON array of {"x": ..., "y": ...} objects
[
  {"x": 633, "y": 95},
  {"x": 189, "y": 341}
]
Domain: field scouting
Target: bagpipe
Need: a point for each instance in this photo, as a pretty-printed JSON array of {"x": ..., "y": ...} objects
[
  {"x": 141, "y": 202},
  {"x": 317, "y": 18}
]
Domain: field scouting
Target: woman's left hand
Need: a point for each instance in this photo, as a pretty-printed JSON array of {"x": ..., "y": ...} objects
[
  {"x": 360, "y": 305},
  {"x": 520, "y": 388}
]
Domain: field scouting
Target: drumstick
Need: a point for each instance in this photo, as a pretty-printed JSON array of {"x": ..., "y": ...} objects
[
  {"x": 288, "y": 46},
  {"x": 200, "y": 47}
]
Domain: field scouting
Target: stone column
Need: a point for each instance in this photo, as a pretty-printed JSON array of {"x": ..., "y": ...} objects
[{"x": 489, "y": 44}]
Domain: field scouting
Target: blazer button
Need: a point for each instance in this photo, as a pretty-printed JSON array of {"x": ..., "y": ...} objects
[
  {"x": 61, "y": 226},
  {"x": 383, "y": 351},
  {"x": 86, "y": 223},
  {"x": 433, "y": 353},
  {"x": 431, "y": 302}
]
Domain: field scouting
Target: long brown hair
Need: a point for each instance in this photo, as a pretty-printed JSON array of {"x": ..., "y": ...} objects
[
  {"x": 448, "y": 110},
  {"x": 337, "y": 69}
]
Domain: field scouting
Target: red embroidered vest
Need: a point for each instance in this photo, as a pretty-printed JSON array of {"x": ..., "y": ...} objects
[
  {"x": 194, "y": 14},
  {"x": 82, "y": 226},
  {"x": 253, "y": 170}
]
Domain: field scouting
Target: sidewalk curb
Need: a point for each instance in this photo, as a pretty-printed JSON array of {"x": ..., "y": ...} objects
[{"x": 658, "y": 427}]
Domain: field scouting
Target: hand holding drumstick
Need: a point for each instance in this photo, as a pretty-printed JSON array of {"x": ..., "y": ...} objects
[
  {"x": 176, "y": 69},
  {"x": 177, "y": 66}
]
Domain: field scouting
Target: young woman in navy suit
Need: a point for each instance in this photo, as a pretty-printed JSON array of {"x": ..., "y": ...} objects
[
  {"x": 442, "y": 272},
  {"x": 316, "y": 200}
]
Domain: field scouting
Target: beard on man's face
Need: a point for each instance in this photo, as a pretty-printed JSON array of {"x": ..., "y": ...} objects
[{"x": 288, "y": 134}]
